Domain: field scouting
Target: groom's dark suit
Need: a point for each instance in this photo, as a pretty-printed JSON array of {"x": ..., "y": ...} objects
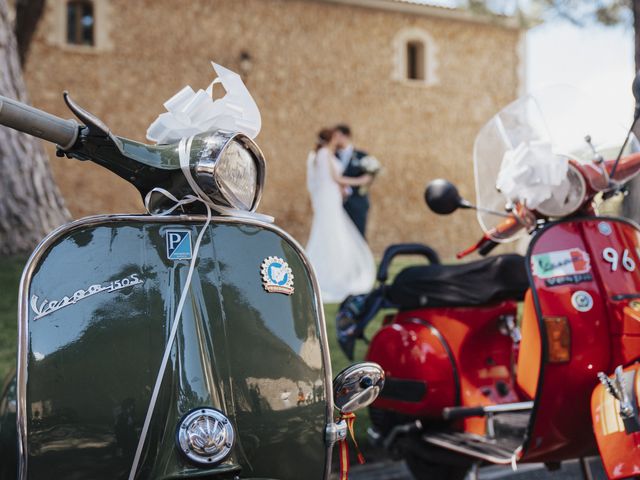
[{"x": 357, "y": 205}]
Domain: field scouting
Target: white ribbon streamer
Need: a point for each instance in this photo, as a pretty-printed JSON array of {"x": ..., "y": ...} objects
[
  {"x": 532, "y": 173},
  {"x": 176, "y": 319},
  {"x": 184, "y": 149}
]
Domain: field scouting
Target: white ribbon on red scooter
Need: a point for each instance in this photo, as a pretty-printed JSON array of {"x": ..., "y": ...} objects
[{"x": 532, "y": 173}]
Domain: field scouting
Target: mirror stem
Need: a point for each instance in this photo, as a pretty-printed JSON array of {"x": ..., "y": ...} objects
[{"x": 468, "y": 205}]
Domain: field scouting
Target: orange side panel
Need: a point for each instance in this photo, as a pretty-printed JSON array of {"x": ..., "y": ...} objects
[
  {"x": 619, "y": 450},
  {"x": 529, "y": 356}
]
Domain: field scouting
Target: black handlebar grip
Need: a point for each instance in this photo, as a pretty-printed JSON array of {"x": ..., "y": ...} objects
[
  {"x": 487, "y": 247},
  {"x": 27, "y": 119},
  {"x": 455, "y": 413}
]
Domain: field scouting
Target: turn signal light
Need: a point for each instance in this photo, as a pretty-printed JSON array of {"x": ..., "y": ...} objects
[{"x": 558, "y": 339}]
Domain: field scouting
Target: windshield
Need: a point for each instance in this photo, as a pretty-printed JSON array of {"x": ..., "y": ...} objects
[{"x": 522, "y": 154}]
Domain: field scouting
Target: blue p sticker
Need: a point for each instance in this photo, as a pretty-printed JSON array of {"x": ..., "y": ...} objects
[{"x": 178, "y": 244}]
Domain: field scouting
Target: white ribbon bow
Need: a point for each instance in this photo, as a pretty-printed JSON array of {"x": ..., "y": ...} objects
[{"x": 190, "y": 113}]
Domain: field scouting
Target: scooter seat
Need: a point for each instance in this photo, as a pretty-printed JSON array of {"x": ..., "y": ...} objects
[{"x": 470, "y": 284}]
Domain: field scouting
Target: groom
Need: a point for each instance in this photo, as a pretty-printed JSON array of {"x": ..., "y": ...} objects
[{"x": 355, "y": 204}]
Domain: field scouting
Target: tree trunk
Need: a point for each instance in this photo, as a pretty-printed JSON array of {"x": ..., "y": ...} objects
[
  {"x": 30, "y": 203},
  {"x": 631, "y": 203},
  {"x": 28, "y": 13}
]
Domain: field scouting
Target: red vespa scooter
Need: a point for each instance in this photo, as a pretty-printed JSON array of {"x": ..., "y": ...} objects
[{"x": 465, "y": 384}]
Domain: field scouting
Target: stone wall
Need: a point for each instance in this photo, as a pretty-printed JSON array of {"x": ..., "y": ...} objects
[{"x": 312, "y": 64}]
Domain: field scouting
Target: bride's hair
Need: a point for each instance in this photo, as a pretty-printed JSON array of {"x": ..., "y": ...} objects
[{"x": 324, "y": 137}]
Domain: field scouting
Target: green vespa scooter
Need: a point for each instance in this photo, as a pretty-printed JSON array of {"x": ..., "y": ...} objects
[{"x": 176, "y": 344}]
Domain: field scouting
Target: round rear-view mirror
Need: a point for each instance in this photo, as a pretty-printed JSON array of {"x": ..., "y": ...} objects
[
  {"x": 357, "y": 386},
  {"x": 442, "y": 197}
]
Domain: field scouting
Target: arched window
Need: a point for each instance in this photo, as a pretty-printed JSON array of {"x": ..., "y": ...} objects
[
  {"x": 415, "y": 60},
  {"x": 80, "y": 22},
  {"x": 415, "y": 57}
]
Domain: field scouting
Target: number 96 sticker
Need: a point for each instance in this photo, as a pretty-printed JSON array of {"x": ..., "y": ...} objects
[{"x": 611, "y": 256}]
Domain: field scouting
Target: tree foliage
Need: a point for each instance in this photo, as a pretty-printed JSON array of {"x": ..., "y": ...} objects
[{"x": 577, "y": 12}]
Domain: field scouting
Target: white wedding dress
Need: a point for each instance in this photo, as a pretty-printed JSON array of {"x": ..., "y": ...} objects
[{"x": 339, "y": 254}]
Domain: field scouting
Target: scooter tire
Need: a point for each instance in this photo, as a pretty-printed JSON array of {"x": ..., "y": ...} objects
[{"x": 422, "y": 469}]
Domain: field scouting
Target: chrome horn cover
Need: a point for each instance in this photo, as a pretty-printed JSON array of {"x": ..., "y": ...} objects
[{"x": 205, "y": 436}]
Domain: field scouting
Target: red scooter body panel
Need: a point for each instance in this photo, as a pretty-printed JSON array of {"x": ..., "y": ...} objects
[
  {"x": 577, "y": 277},
  {"x": 620, "y": 281},
  {"x": 620, "y": 451},
  {"x": 413, "y": 351},
  {"x": 459, "y": 353},
  {"x": 584, "y": 275}
]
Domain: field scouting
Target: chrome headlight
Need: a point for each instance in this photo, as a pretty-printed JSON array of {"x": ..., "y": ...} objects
[
  {"x": 568, "y": 198},
  {"x": 229, "y": 168}
]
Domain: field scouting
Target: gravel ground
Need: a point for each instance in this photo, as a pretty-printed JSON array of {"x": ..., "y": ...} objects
[{"x": 398, "y": 471}]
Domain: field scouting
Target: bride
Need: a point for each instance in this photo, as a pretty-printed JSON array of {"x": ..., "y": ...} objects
[{"x": 340, "y": 255}]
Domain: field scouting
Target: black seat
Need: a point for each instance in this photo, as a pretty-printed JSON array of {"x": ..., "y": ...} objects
[{"x": 468, "y": 284}]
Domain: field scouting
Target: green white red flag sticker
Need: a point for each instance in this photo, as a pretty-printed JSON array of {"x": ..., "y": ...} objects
[{"x": 561, "y": 263}]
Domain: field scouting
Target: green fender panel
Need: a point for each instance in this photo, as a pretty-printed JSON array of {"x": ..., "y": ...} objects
[{"x": 87, "y": 365}]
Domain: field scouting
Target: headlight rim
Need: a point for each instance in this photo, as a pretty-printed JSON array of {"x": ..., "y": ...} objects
[
  {"x": 205, "y": 168},
  {"x": 572, "y": 169}
]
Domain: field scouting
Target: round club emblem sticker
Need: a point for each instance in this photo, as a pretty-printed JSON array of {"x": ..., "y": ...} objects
[
  {"x": 582, "y": 301},
  {"x": 276, "y": 276},
  {"x": 604, "y": 228}
]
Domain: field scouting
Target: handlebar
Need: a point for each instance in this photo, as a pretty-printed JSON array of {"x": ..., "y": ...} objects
[
  {"x": 627, "y": 166},
  {"x": 483, "y": 247},
  {"x": 40, "y": 124},
  {"x": 487, "y": 247},
  {"x": 519, "y": 218}
]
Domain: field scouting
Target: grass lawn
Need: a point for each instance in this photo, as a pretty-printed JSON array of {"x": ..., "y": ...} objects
[
  {"x": 10, "y": 272},
  {"x": 340, "y": 361}
]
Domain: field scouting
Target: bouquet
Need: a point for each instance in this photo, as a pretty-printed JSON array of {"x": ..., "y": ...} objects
[{"x": 371, "y": 166}]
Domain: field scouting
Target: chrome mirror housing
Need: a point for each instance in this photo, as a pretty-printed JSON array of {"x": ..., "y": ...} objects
[{"x": 357, "y": 386}]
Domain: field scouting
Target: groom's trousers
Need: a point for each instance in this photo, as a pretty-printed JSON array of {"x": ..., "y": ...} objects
[{"x": 357, "y": 207}]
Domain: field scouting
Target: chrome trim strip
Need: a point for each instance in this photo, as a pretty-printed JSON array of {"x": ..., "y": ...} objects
[
  {"x": 49, "y": 240},
  {"x": 508, "y": 407}
]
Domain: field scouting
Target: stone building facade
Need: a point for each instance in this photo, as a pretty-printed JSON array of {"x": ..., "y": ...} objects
[{"x": 415, "y": 82}]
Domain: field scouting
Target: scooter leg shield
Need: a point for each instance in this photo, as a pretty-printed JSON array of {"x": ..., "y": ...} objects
[{"x": 97, "y": 308}]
